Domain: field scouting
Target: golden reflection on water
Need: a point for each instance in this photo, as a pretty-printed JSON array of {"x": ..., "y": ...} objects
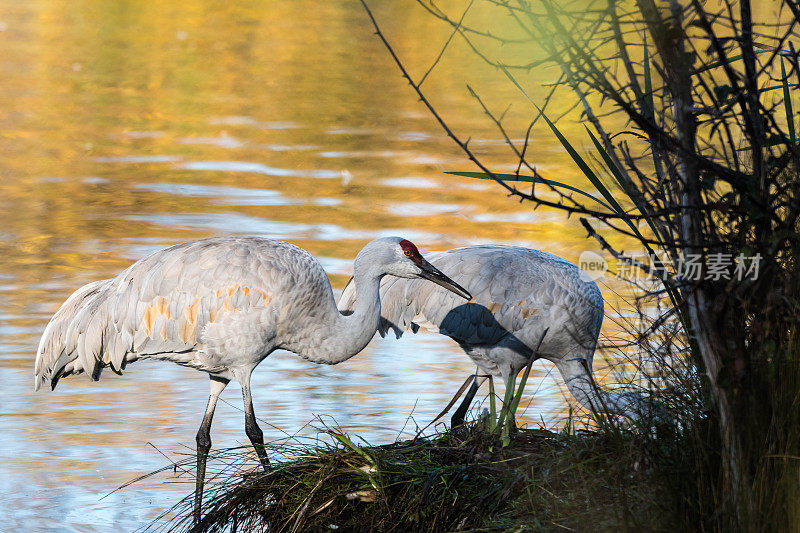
[{"x": 128, "y": 126}]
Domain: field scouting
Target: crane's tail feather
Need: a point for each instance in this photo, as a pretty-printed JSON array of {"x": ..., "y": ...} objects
[{"x": 72, "y": 342}]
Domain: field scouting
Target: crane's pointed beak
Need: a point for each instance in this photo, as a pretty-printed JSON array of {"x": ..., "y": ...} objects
[{"x": 435, "y": 275}]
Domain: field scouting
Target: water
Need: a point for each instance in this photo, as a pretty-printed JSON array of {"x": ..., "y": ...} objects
[{"x": 129, "y": 126}]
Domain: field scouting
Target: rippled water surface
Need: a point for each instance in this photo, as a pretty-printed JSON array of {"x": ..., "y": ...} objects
[{"x": 128, "y": 126}]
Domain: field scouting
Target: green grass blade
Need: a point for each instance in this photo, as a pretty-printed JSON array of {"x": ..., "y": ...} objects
[
  {"x": 529, "y": 179},
  {"x": 649, "y": 105},
  {"x": 623, "y": 184},
  {"x": 341, "y": 437},
  {"x": 524, "y": 380},
  {"x": 518, "y": 396},
  {"x": 506, "y": 402},
  {"x": 492, "y": 422},
  {"x": 505, "y": 436},
  {"x": 673, "y": 293},
  {"x": 787, "y": 104},
  {"x": 731, "y": 59},
  {"x": 506, "y": 414},
  {"x": 587, "y": 171},
  {"x": 514, "y": 81},
  {"x": 773, "y": 88}
]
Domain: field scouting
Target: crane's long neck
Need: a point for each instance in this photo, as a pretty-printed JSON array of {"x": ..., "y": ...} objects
[
  {"x": 591, "y": 396},
  {"x": 358, "y": 328},
  {"x": 337, "y": 337}
]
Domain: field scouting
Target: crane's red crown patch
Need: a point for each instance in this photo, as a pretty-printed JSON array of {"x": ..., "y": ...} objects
[{"x": 410, "y": 250}]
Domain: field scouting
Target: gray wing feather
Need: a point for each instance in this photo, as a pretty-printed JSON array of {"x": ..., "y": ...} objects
[
  {"x": 117, "y": 351},
  {"x": 64, "y": 340},
  {"x": 517, "y": 293},
  {"x": 160, "y": 306}
]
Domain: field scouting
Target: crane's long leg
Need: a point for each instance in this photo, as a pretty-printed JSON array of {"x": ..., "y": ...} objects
[
  {"x": 458, "y": 417},
  {"x": 254, "y": 432},
  {"x": 204, "y": 441}
]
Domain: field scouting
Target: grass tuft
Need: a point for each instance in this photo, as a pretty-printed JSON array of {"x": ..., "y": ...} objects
[{"x": 455, "y": 481}]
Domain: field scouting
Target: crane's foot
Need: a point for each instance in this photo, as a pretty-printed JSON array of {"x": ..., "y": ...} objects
[
  {"x": 261, "y": 451},
  {"x": 257, "y": 440},
  {"x": 198, "y": 510}
]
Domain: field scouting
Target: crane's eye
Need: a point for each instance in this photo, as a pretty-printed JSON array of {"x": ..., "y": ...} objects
[{"x": 408, "y": 253}]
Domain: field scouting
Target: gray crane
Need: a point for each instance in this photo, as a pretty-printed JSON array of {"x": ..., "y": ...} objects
[
  {"x": 222, "y": 305},
  {"x": 518, "y": 294}
]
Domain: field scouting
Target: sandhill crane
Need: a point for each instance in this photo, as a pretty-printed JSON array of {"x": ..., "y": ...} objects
[
  {"x": 518, "y": 294},
  {"x": 222, "y": 305}
]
